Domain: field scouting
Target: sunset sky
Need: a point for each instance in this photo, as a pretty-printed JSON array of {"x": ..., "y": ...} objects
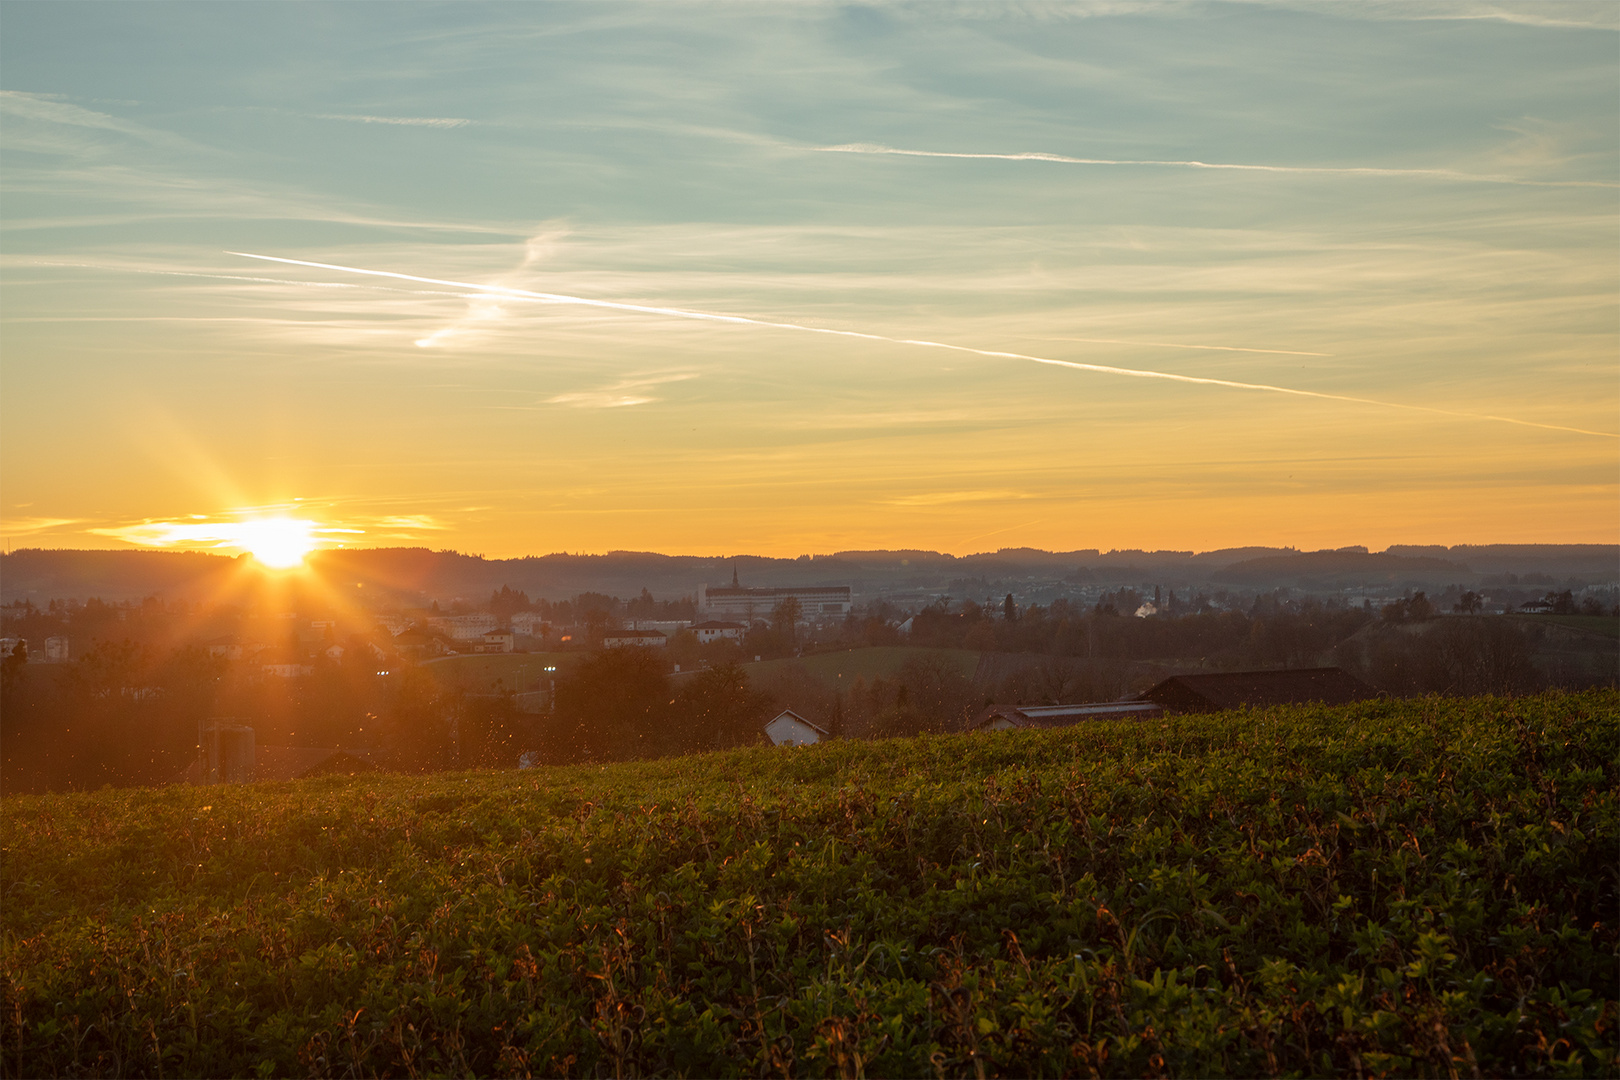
[{"x": 1395, "y": 226}]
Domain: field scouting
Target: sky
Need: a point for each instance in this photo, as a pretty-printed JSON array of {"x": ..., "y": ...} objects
[{"x": 1112, "y": 275}]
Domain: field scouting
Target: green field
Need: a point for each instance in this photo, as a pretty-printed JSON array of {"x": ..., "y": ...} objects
[
  {"x": 510, "y": 672},
  {"x": 1417, "y": 888},
  {"x": 1606, "y": 625},
  {"x": 867, "y": 663}
]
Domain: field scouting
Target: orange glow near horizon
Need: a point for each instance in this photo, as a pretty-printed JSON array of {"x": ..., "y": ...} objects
[
  {"x": 279, "y": 543},
  {"x": 276, "y": 542}
]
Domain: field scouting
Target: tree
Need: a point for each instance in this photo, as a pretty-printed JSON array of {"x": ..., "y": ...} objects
[
  {"x": 717, "y": 708},
  {"x": 785, "y": 618},
  {"x": 613, "y": 707},
  {"x": 1009, "y": 609}
]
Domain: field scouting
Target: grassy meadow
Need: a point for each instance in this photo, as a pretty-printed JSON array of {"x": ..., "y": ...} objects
[
  {"x": 1408, "y": 888},
  {"x": 881, "y": 661}
]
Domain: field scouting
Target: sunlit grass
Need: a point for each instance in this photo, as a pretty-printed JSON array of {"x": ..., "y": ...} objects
[{"x": 1407, "y": 888}]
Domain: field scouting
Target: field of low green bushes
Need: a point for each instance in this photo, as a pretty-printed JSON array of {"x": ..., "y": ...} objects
[{"x": 1405, "y": 888}]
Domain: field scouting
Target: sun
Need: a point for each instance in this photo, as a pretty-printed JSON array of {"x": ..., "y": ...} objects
[{"x": 279, "y": 543}]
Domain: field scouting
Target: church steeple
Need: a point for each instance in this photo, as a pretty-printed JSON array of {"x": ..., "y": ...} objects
[{"x": 734, "y": 583}]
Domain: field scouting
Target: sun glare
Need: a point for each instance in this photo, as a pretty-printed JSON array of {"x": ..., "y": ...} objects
[{"x": 279, "y": 543}]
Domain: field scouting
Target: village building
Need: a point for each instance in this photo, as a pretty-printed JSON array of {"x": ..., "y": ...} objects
[
  {"x": 394, "y": 624},
  {"x": 228, "y": 647},
  {"x": 620, "y": 639},
  {"x": 527, "y": 622},
  {"x": 788, "y": 728},
  {"x": 816, "y": 602},
  {"x": 496, "y": 641},
  {"x": 418, "y": 643},
  {"x": 714, "y": 630},
  {"x": 285, "y": 664},
  {"x": 464, "y": 627}
]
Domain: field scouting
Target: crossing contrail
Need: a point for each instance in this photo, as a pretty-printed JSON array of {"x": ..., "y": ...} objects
[{"x": 742, "y": 320}]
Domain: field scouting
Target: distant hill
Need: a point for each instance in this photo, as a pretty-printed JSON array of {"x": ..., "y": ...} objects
[
  {"x": 418, "y": 575},
  {"x": 1319, "y": 567}
]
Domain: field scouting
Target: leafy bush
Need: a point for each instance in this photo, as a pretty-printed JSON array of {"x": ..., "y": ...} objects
[{"x": 1420, "y": 888}]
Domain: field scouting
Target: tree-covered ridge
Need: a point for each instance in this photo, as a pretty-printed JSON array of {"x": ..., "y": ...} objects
[{"x": 1395, "y": 888}]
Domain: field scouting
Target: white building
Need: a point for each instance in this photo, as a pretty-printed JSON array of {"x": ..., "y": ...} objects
[
  {"x": 816, "y": 602},
  {"x": 56, "y": 650},
  {"x": 394, "y": 624},
  {"x": 791, "y": 729},
  {"x": 620, "y": 639},
  {"x": 464, "y": 627},
  {"x": 527, "y": 622},
  {"x": 496, "y": 641},
  {"x": 715, "y": 631}
]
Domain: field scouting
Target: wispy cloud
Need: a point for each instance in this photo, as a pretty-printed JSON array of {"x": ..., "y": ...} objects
[
  {"x": 1074, "y": 365},
  {"x": 945, "y": 498},
  {"x": 485, "y": 309},
  {"x": 26, "y": 526},
  {"x": 1320, "y": 170},
  {"x": 402, "y": 121},
  {"x": 621, "y": 394},
  {"x": 1551, "y": 14},
  {"x": 238, "y": 529}
]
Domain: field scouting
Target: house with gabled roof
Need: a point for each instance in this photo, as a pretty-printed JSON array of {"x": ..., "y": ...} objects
[{"x": 788, "y": 728}]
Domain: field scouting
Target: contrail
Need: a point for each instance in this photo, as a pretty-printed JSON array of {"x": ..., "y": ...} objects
[
  {"x": 1173, "y": 345},
  {"x": 741, "y": 320},
  {"x": 1330, "y": 170}
]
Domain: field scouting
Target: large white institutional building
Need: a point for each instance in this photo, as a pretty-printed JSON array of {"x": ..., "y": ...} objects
[{"x": 816, "y": 602}]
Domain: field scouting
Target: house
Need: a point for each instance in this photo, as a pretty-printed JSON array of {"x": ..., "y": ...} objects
[
  {"x": 790, "y": 729},
  {"x": 417, "y": 642},
  {"x": 464, "y": 627},
  {"x": 228, "y": 647},
  {"x": 496, "y": 641},
  {"x": 285, "y": 664},
  {"x": 394, "y": 624},
  {"x": 1012, "y": 717},
  {"x": 619, "y": 639},
  {"x": 56, "y": 650},
  {"x": 715, "y": 631},
  {"x": 528, "y": 622},
  {"x": 1216, "y": 691}
]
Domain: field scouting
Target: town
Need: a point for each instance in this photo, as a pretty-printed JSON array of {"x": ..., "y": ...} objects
[{"x": 259, "y": 677}]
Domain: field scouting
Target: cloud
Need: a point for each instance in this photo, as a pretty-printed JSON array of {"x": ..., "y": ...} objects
[
  {"x": 28, "y": 525},
  {"x": 403, "y": 121},
  {"x": 1320, "y": 170},
  {"x": 741, "y": 320},
  {"x": 617, "y": 395},
  {"x": 238, "y": 529},
  {"x": 944, "y": 498},
  {"x": 1549, "y": 14},
  {"x": 486, "y": 310}
]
